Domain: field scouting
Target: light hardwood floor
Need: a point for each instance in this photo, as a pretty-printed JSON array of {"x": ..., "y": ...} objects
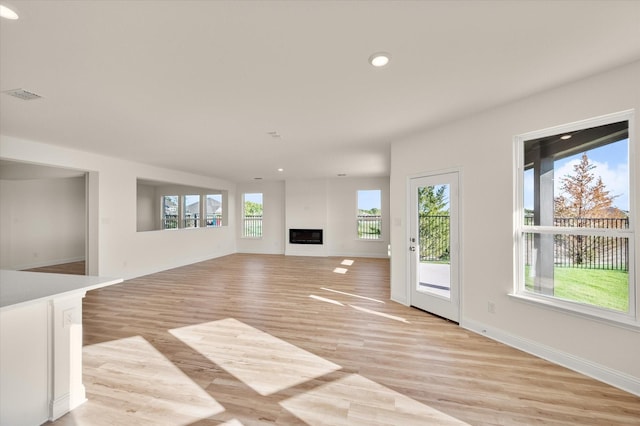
[
  {"x": 266, "y": 339},
  {"x": 72, "y": 268}
]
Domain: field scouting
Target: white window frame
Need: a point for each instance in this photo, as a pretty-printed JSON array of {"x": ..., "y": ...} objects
[
  {"x": 162, "y": 215},
  {"x": 243, "y": 226},
  {"x": 183, "y": 212},
  {"x": 206, "y": 210},
  {"x": 629, "y": 318},
  {"x": 380, "y": 235}
]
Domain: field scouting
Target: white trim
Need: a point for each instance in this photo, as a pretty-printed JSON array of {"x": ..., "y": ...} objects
[
  {"x": 602, "y": 120},
  {"x": 242, "y": 216},
  {"x": 629, "y": 319},
  {"x": 359, "y": 254},
  {"x": 49, "y": 262},
  {"x": 609, "y": 317},
  {"x": 564, "y": 230},
  {"x": 583, "y": 366},
  {"x": 457, "y": 171},
  {"x": 260, "y": 251},
  {"x": 381, "y": 236}
]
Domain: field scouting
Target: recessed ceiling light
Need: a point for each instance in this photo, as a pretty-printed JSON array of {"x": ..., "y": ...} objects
[
  {"x": 342, "y": 174},
  {"x": 7, "y": 13},
  {"x": 257, "y": 178},
  {"x": 379, "y": 59},
  {"x": 565, "y": 137},
  {"x": 281, "y": 170}
]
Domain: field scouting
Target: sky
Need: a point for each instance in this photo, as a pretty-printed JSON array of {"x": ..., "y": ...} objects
[
  {"x": 368, "y": 199},
  {"x": 256, "y": 198},
  {"x": 612, "y": 165}
]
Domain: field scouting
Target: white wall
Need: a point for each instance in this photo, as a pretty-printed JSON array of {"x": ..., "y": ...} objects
[
  {"x": 307, "y": 208},
  {"x": 42, "y": 222},
  {"x": 342, "y": 236},
  {"x": 147, "y": 213},
  {"x": 121, "y": 251},
  {"x": 482, "y": 146},
  {"x": 149, "y": 196},
  {"x": 272, "y": 241},
  {"x": 330, "y": 204}
]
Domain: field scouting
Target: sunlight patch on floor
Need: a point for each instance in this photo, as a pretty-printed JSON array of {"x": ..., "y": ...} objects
[
  {"x": 352, "y": 295},
  {"x": 261, "y": 361},
  {"x": 149, "y": 388},
  {"x": 355, "y": 399},
  {"x": 324, "y": 299},
  {"x": 380, "y": 314},
  {"x": 340, "y": 270},
  {"x": 347, "y": 262},
  {"x": 232, "y": 422}
]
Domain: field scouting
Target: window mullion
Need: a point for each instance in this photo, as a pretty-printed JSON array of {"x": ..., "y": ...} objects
[{"x": 611, "y": 232}]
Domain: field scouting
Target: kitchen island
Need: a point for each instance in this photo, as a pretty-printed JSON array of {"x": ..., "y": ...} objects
[{"x": 41, "y": 344}]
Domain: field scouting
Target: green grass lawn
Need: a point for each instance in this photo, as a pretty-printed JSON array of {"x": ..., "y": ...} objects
[{"x": 603, "y": 288}]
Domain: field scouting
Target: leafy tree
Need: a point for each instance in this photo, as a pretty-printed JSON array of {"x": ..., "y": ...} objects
[
  {"x": 374, "y": 211},
  {"x": 433, "y": 211},
  {"x": 252, "y": 208},
  {"x": 432, "y": 201}
]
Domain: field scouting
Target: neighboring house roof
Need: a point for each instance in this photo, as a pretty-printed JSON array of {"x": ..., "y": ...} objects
[{"x": 212, "y": 205}]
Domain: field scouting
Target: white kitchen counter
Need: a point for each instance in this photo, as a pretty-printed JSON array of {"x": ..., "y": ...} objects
[
  {"x": 18, "y": 288},
  {"x": 41, "y": 344}
]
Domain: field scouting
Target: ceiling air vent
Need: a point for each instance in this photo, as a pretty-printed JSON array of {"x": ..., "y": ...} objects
[{"x": 25, "y": 95}]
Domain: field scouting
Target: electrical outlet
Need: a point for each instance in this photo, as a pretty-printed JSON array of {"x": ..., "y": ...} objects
[{"x": 491, "y": 307}]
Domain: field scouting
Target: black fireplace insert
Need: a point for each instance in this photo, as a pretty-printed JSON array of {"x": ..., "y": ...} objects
[{"x": 305, "y": 236}]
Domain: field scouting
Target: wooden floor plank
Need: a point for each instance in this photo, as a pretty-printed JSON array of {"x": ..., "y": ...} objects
[
  {"x": 267, "y": 339},
  {"x": 72, "y": 268}
]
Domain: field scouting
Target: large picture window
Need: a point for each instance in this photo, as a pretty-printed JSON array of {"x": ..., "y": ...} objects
[{"x": 575, "y": 226}]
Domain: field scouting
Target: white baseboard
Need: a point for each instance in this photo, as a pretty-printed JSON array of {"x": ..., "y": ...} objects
[
  {"x": 244, "y": 251},
  {"x": 59, "y": 407},
  {"x": 49, "y": 262},
  {"x": 291, "y": 252},
  {"x": 588, "y": 368},
  {"x": 361, "y": 254},
  {"x": 177, "y": 263}
]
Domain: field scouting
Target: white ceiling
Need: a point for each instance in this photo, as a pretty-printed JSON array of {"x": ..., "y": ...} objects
[{"x": 197, "y": 85}]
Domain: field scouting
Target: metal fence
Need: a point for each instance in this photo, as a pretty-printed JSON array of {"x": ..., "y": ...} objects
[
  {"x": 369, "y": 227},
  {"x": 214, "y": 220},
  {"x": 190, "y": 222},
  {"x": 584, "y": 251},
  {"x": 434, "y": 237},
  {"x": 252, "y": 226},
  {"x": 171, "y": 221}
]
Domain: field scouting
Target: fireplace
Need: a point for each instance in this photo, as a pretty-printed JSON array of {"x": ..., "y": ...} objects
[{"x": 305, "y": 236}]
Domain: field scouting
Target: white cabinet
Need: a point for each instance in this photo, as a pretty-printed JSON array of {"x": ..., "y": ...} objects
[{"x": 41, "y": 344}]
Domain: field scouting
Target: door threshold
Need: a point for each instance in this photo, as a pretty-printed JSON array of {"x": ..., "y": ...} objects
[{"x": 436, "y": 315}]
